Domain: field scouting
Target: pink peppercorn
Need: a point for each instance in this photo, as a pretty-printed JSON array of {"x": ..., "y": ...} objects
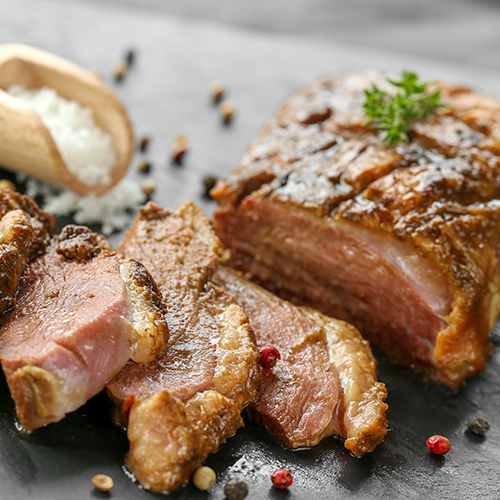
[
  {"x": 282, "y": 478},
  {"x": 269, "y": 356},
  {"x": 438, "y": 445}
]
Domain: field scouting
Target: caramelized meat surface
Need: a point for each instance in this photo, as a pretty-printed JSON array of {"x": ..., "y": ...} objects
[
  {"x": 208, "y": 370},
  {"x": 25, "y": 232},
  {"x": 169, "y": 439},
  {"x": 325, "y": 382},
  {"x": 81, "y": 313},
  {"x": 400, "y": 241}
]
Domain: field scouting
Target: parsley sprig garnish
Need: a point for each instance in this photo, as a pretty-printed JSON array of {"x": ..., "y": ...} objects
[{"x": 393, "y": 114}]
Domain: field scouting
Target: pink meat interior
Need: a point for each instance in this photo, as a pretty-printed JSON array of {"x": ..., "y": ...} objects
[
  {"x": 387, "y": 289},
  {"x": 70, "y": 319}
]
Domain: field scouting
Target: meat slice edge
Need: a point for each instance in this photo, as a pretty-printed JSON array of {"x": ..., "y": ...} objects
[{"x": 345, "y": 272}]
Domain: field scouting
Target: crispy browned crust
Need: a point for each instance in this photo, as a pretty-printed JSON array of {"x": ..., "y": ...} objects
[
  {"x": 169, "y": 439},
  {"x": 39, "y": 395},
  {"x": 438, "y": 193},
  {"x": 215, "y": 418},
  {"x": 150, "y": 332},
  {"x": 164, "y": 445},
  {"x": 43, "y": 222},
  {"x": 25, "y": 232},
  {"x": 16, "y": 238},
  {"x": 80, "y": 243}
]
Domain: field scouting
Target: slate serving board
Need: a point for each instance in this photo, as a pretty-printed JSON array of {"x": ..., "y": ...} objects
[{"x": 167, "y": 93}]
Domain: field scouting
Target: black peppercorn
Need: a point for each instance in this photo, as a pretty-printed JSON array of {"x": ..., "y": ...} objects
[
  {"x": 130, "y": 57},
  {"x": 478, "y": 426},
  {"x": 144, "y": 166},
  {"x": 209, "y": 182},
  {"x": 236, "y": 489},
  {"x": 143, "y": 144}
]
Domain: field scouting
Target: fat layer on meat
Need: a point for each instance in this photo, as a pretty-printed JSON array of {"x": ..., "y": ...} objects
[
  {"x": 25, "y": 232},
  {"x": 326, "y": 381},
  {"x": 188, "y": 400},
  {"x": 400, "y": 241},
  {"x": 81, "y": 312}
]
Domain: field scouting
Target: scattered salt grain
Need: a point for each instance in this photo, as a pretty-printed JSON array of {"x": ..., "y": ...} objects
[
  {"x": 85, "y": 148},
  {"x": 111, "y": 210}
]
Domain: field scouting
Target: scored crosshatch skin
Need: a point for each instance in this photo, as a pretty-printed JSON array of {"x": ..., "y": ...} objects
[{"x": 401, "y": 241}]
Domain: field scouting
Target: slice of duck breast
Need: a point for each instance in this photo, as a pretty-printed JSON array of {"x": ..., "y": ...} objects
[
  {"x": 186, "y": 402},
  {"x": 400, "y": 241},
  {"x": 325, "y": 383},
  {"x": 81, "y": 313}
]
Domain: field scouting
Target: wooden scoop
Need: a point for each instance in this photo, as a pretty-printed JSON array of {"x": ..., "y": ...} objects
[{"x": 27, "y": 146}]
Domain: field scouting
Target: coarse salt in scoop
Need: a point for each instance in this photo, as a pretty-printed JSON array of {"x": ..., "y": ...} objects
[
  {"x": 33, "y": 145},
  {"x": 85, "y": 148}
]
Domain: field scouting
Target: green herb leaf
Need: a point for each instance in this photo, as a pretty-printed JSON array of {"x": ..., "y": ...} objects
[{"x": 393, "y": 114}]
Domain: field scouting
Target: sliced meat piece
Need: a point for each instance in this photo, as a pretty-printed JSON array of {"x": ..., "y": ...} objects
[
  {"x": 81, "y": 312},
  {"x": 25, "y": 232},
  {"x": 326, "y": 380},
  {"x": 207, "y": 373},
  {"x": 402, "y": 242}
]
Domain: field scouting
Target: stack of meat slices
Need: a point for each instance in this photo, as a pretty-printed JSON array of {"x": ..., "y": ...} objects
[
  {"x": 185, "y": 403},
  {"x": 325, "y": 383},
  {"x": 400, "y": 241},
  {"x": 81, "y": 312}
]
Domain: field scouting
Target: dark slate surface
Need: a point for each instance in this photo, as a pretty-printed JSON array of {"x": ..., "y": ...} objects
[{"x": 167, "y": 93}]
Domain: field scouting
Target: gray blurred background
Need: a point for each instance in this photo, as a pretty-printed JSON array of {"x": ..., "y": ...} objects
[{"x": 462, "y": 31}]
